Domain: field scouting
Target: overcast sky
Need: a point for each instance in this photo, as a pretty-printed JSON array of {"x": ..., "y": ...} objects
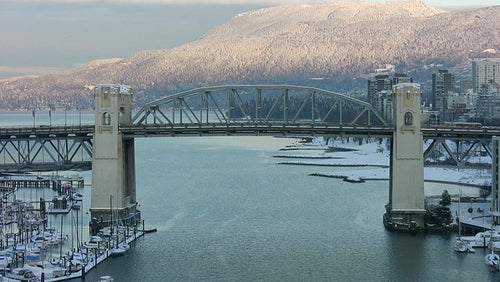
[{"x": 42, "y": 36}]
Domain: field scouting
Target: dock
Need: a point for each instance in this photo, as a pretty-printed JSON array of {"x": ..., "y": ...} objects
[
  {"x": 54, "y": 182},
  {"x": 24, "y": 250},
  {"x": 95, "y": 261}
]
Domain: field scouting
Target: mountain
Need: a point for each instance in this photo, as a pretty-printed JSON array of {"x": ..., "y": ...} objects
[{"x": 287, "y": 44}]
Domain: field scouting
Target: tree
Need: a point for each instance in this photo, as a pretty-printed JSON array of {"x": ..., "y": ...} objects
[{"x": 445, "y": 198}]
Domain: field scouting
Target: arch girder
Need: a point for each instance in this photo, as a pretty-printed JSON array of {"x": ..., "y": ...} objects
[{"x": 258, "y": 104}]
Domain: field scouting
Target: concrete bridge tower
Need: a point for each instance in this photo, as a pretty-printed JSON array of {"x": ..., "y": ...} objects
[
  {"x": 113, "y": 159},
  {"x": 406, "y": 209}
]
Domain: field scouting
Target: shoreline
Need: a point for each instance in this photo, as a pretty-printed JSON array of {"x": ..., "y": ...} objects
[
  {"x": 372, "y": 159},
  {"x": 364, "y": 179}
]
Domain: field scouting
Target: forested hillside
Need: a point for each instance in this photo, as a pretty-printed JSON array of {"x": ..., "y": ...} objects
[{"x": 287, "y": 44}]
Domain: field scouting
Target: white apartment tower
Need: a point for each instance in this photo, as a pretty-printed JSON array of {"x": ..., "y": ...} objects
[{"x": 485, "y": 72}]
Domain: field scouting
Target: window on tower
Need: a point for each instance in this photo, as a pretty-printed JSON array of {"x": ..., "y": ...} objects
[
  {"x": 106, "y": 119},
  {"x": 408, "y": 118}
]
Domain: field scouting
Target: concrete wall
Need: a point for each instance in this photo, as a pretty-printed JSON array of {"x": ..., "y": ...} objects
[
  {"x": 113, "y": 165},
  {"x": 406, "y": 199}
]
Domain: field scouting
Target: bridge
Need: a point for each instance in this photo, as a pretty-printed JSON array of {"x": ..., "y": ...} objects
[
  {"x": 277, "y": 110},
  {"x": 231, "y": 110}
]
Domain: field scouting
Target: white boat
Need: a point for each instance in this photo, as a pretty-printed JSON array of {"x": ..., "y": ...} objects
[
  {"x": 118, "y": 251},
  {"x": 37, "y": 271},
  {"x": 124, "y": 245},
  {"x": 32, "y": 259},
  {"x": 492, "y": 259},
  {"x": 482, "y": 239},
  {"x": 106, "y": 278},
  {"x": 77, "y": 197},
  {"x": 462, "y": 246},
  {"x": 5, "y": 259},
  {"x": 73, "y": 262},
  {"x": 22, "y": 274},
  {"x": 94, "y": 243},
  {"x": 57, "y": 271}
]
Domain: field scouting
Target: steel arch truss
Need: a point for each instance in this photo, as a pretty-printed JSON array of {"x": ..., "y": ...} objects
[
  {"x": 47, "y": 153},
  {"x": 259, "y": 105},
  {"x": 459, "y": 153}
]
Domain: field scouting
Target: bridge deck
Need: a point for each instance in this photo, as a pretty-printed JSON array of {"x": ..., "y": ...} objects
[
  {"x": 70, "y": 147},
  {"x": 244, "y": 128}
]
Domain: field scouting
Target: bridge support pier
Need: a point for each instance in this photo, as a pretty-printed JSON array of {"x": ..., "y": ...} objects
[
  {"x": 406, "y": 209},
  {"x": 113, "y": 160}
]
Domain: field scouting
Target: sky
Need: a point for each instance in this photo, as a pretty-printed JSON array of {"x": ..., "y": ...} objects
[{"x": 48, "y": 36}]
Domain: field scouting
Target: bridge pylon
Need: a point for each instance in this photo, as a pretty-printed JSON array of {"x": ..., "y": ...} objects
[
  {"x": 406, "y": 209},
  {"x": 113, "y": 159}
]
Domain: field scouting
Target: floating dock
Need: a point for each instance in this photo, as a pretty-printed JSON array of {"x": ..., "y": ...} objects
[
  {"x": 54, "y": 182},
  {"x": 94, "y": 262}
]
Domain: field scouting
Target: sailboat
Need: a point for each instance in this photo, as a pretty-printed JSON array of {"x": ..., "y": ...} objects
[
  {"x": 120, "y": 248},
  {"x": 492, "y": 259},
  {"x": 460, "y": 245}
]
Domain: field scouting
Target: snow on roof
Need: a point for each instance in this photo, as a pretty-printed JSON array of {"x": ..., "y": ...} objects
[
  {"x": 407, "y": 84},
  {"x": 120, "y": 88}
]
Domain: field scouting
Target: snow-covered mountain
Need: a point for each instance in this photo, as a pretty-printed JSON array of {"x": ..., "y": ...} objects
[{"x": 286, "y": 44}]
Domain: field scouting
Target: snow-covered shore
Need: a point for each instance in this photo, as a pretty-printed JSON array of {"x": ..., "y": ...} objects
[{"x": 370, "y": 154}]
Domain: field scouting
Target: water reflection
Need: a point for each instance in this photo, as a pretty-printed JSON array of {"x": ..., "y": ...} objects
[{"x": 406, "y": 256}]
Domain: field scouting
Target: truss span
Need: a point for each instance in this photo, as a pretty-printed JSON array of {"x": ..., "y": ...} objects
[
  {"x": 46, "y": 149},
  {"x": 258, "y": 104}
]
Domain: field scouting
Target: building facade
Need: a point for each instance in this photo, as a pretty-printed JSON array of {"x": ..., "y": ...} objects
[
  {"x": 380, "y": 92},
  {"x": 488, "y": 104},
  {"x": 485, "y": 72},
  {"x": 495, "y": 173},
  {"x": 443, "y": 83}
]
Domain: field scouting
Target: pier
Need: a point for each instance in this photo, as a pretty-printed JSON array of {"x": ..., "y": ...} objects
[
  {"x": 34, "y": 247},
  {"x": 54, "y": 182}
]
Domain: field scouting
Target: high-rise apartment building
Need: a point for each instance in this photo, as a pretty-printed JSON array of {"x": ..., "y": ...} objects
[
  {"x": 443, "y": 82},
  {"x": 380, "y": 92},
  {"x": 485, "y": 72},
  {"x": 401, "y": 78},
  {"x": 380, "y": 83}
]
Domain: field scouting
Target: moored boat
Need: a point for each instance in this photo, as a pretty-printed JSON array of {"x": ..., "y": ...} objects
[
  {"x": 118, "y": 251},
  {"x": 462, "y": 246},
  {"x": 492, "y": 259},
  {"x": 482, "y": 239}
]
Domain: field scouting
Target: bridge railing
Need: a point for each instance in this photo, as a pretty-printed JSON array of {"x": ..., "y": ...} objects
[
  {"x": 16, "y": 132},
  {"x": 250, "y": 128}
]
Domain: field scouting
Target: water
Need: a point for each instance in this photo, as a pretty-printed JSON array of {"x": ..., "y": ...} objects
[{"x": 225, "y": 210}]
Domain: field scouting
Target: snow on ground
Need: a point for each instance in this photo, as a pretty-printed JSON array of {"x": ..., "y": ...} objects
[
  {"x": 370, "y": 161},
  {"x": 372, "y": 154}
]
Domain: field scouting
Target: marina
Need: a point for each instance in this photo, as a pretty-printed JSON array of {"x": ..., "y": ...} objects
[{"x": 35, "y": 244}]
